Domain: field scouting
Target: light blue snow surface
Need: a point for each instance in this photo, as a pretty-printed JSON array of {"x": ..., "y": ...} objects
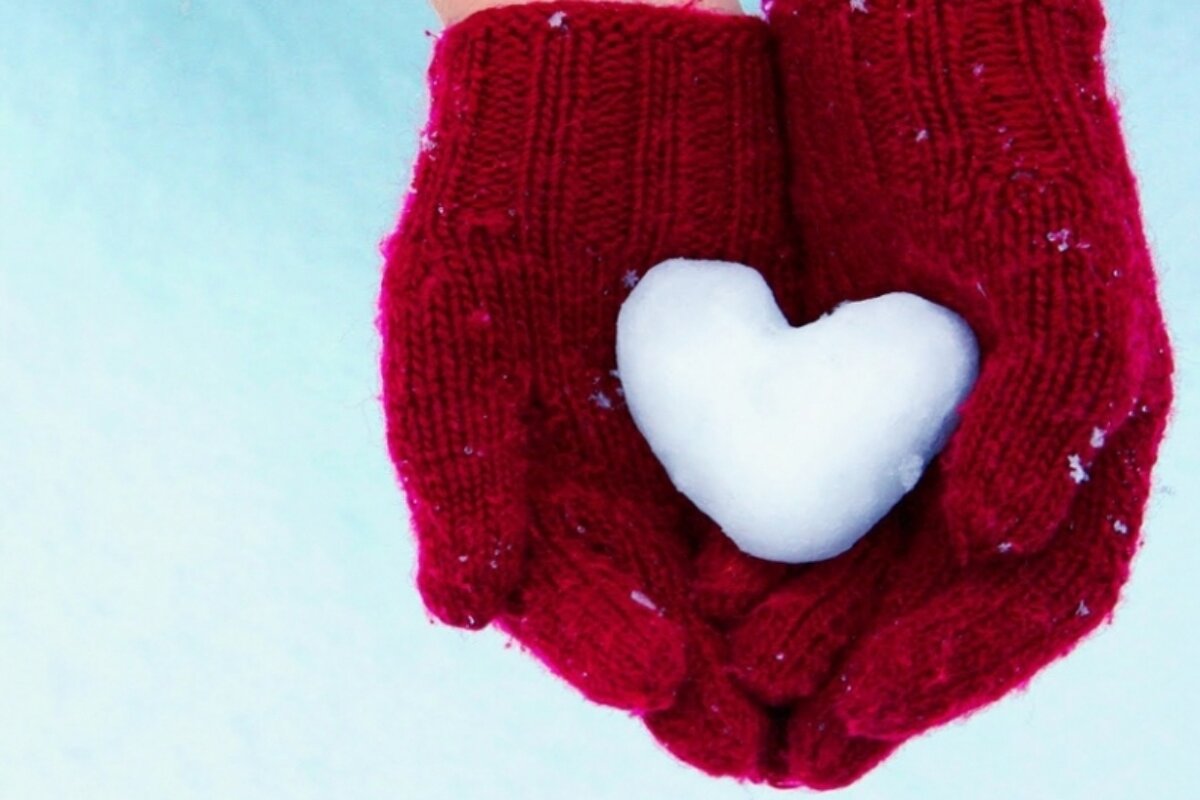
[{"x": 205, "y": 566}]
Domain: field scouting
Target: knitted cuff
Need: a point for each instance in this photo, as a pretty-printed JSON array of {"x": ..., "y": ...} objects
[{"x": 637, "y": 131}]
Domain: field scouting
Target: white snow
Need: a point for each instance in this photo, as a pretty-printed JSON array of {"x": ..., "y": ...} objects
[
  {"x": 642, "y": 600},
  {"x": 1077, "y": 471},
  {"x": 1061, "y": 239},
  {"x": 910, "y": 471},
  {"x": 558, "y": 19},
  {"x": 795, "y": 440},
  {"x": 601, "y": 400}
]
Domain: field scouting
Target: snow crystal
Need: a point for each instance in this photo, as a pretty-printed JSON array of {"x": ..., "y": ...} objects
[
  {"x": 1082, "y": 610},
  {"x": 630, "y": 279},
  {"x": 1061, "y": 239},
  {"x": 922, "y": 135},
  {"x": 601, "y": 400},
  {"x": 977, "y": 70},
  {"x": 1120, "y": 527},
  {"x": 642, "y": 600},
  {"x": 795, "y": 441},
  {"x": 558, "y": 19},
  {"x": 859, "y": 5},
  {"x": 1004, "y": 547},
  {"x": 1077, "y": 471},
  {"x": 1097, "y": 440}
]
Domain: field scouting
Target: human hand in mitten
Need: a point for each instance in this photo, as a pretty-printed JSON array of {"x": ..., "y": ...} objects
[
  {"x": 966, "y": 152},
  {"x": 571, "y": 146}
]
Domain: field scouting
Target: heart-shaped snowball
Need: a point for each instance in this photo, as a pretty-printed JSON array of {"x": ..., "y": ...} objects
[{"x": 796, "y": 441}]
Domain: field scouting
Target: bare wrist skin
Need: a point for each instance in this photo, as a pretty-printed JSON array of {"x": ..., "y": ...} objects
[{"x": 452, "y": 11}]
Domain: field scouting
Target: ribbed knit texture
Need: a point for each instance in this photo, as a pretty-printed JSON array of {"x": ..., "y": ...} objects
[
  {"x": 967, "y": 150},
  {"x": 961, "y": 149},
  {"x": 571, "y": 147}
]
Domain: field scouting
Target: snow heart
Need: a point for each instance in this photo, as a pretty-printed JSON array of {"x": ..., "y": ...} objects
[{"x": 796, "y": 441}]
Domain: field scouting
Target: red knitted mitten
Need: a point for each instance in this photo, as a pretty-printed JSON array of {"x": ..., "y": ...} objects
[
  {"x": 571, "y": 146},
  {"x": 967, "y": 152}
]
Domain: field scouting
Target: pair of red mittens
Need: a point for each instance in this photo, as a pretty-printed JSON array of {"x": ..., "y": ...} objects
[{"x": 966, "y": 152}]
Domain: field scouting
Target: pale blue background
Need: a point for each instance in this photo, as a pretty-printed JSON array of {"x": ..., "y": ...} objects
[{"x": 205, "y": 572}]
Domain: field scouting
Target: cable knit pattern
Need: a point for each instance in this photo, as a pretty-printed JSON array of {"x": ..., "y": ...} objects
[
  {"x": 967, "y": 150},
  {"x": 570, "y": 147},
  {"x": 964, "y": 150}
]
